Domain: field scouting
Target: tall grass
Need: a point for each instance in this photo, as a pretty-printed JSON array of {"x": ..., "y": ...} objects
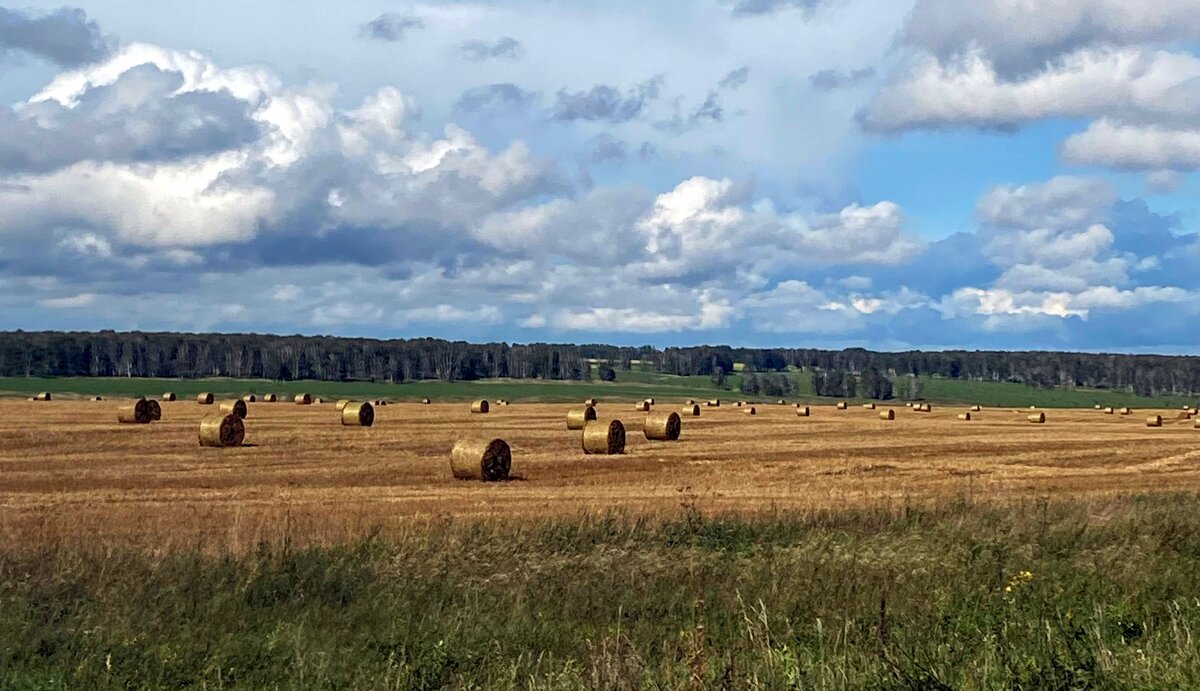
[{"x": 1058, "y": 595}]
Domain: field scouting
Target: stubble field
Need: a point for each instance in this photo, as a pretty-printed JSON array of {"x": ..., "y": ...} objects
[{"x": 69, "y": 473}]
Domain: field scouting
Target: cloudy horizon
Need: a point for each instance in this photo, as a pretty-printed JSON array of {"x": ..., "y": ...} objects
[{"x": 807, "y": 173}]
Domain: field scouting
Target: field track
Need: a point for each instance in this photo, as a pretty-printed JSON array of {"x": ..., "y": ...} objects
[{"x": 70, "y": 474}]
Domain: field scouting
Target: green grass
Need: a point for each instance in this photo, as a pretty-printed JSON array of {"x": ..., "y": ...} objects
[
  {"x": 1040, "y": 595},
  {"x": 630, "y": 385}
]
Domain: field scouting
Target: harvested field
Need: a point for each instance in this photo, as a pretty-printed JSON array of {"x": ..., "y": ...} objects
[{"x": 69, "y": 472}]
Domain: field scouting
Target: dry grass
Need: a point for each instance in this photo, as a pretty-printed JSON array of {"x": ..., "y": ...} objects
[{"x": 71, "y": 474}]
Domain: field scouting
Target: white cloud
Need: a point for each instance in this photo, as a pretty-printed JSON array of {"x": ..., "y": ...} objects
[
  {"x": 69, "y": 302},
  {"x": 1135, "y": 147}
]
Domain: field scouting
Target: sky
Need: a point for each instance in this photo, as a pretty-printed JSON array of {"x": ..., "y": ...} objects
[{"x": 888, "y": 174}]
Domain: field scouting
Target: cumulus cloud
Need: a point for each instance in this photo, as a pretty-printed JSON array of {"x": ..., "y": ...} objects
[
  {"x": 607, "y": 103},
  {"x": 735, "y": 79},
  {"x": 757, "y": 7},
  {"x": 1134, "y": 147},
  {"x": 65, "y": 37},
  {"x": 1090, "y": 83},
  {"x": 503, "y": 47},
  {"x": 494, "y": 95},
  {"x": 1019, "y": 38},
  {"x": 390, "y": 27},
  {"x": 832, "y": 80}
]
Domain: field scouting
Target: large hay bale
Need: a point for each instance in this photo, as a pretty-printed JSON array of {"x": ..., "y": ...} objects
[
  {"x": 650, "y": 401},
  {"x": 222, "y": 430},
  {"x": 690, "y": 401},
  {"x": 250, "y": 398},
  {"x": 590, "y": 402},
  {"x": 740, "y": 404},
  {"x": 750, "y": 410},
  {"x": 642, "y": 406},
  {"x": 341, "y": 405},
  {"x": 98, "y": 398},
  {"x": 976, "y": 408},
  {"x": 169, "y": 396},
  {"x": 1098, "y": 407},
  {"x": 136, "y": 413},
  {"x": 803, "y": 411},
  {"x": 1038, "y": 418},
  {"x": 489, "y": 461},
  {"x": 270, "y": 398},
  {"x": 155, "y": 410},
  {"x": 782, "y": 402},
  {"x": 303, "y": 399},
  {"x": 43, "y": 396},
  {"x": 1109, "y": 411},
  {"x": 425, "y": 401},
  {"x": 714, "y": 403},
  {"x": 842, "y": 405},
  {"x": 358, "y": 415},
  {"x": 662, "y": 426},
  {"x": 205, "y": 399},
  {"x": 868, "y": 406},
  {"x": 318, "y": 401},
  {"x": 691, "y": 410},
  {"x": 481, "y": 407},
  {"x": 604, "y": 438},
  {"x": 924, "y": 408},
  {"x": 235, "y": 407},
  {"x": 964, "y": 416},
  {"x": 1125, "y": 411},
  {"x": 888, "y": 414},
  {"x": 577, "y": 419},
  {"x": 1154, "y": 421}
]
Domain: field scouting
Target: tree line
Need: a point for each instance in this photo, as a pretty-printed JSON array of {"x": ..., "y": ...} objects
[{"x": 138, "y": 354}]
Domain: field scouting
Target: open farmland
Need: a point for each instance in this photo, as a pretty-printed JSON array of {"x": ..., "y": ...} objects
[{"x": 69, "y": 472}]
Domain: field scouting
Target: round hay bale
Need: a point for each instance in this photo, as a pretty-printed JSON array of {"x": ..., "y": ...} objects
[
  {"x": 662, "y": 426},
  {"x": 489, "y": 461},
  {"x": 303, "y": 399},
  {"x": 250, "y": 398},
  {"x": 341, "y": 405},
  {"x": 888, "y": 414},
  {"x": 97, "y": 398},
  {"x": 43, "y": 396},
  {"x": 740, "y": 404},
  {"x": 358, "y": 415},
  {"x": 205, "y": 399},
  {"x": 1154, "y": 421},
  {"x": 690, "y": 401},
  {"x": 803, "y": 411},
  {"x": 842, "y": 405},
  {"x": 155, "y": 410},
  {"x": 1098, "y": 407},
  {"x": 577, "y": 419},
  {"x": 136, "y": 413},
  {"x": 222, "y": 430},
  {"x": 270, "y": 398},
  {"x": 590, "y": 402},
  {"x": 964, "y": 416},
  {"x": 318, "y": 401},
  {"x": 1109, "y": 411},
  {"x": 691, "y": 410},
  {"x": 868, "y": 406},
  {"x": 749, "y": 410},
  {"x": 714, "y": 403},
  {"x": 604, "y": 438},
  {"x": 480, "y": 407},
  {"x": 1125, "y": 411},
  {"x": 642, "y": 406},
  {"x": 1038, "y": 418},
  {"x": 650, "y": 401},
  {"x": 925, "y": 408},
  {"x": 235, "y": 407},
  {"x": 425, "y": 401},
  {"x": 976, "y": 408},
  {"x": 504, "y": 401},
  {"x": 1196, "y": 424},
  {"x": 782, "y": 402},
  {"x": 169, "y": 396}
]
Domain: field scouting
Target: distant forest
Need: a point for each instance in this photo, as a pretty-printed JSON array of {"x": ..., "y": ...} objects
[{"x": 135, "y": 354}]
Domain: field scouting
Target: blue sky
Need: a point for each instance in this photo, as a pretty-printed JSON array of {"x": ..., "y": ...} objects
[{"x": 878, "y": 173}]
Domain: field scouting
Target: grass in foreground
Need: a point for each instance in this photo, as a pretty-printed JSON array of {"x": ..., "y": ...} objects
[{"x": 1042, "y": 595}]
